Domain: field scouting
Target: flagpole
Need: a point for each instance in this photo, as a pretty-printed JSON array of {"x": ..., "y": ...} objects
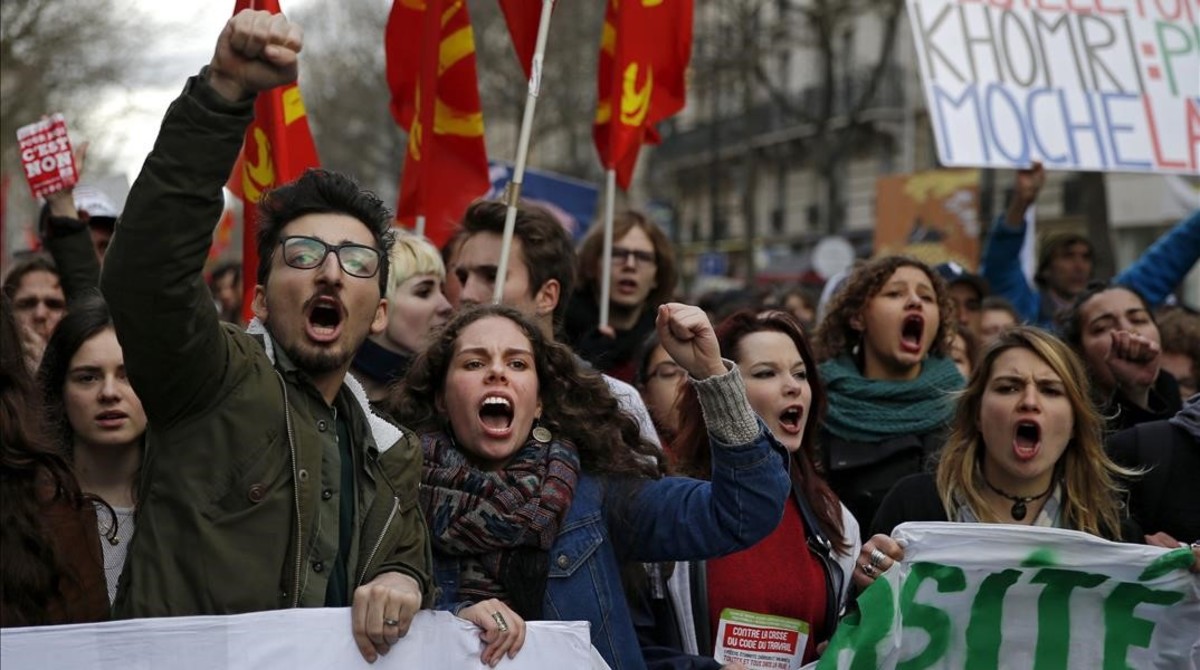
[
  {"x": 610, "y": 198},
  {"x": 513, "y": 192},
  {"x": 420, "y": 226}
]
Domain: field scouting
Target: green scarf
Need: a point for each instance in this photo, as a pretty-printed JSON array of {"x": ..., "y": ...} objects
[{"x": 872, "y": 410}]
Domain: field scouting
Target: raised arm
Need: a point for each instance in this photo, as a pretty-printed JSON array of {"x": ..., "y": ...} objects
[
  {"x": 69, "y": 241},
  {"x": 1164, "y": 265},
  {"x": 681, "y": 519},
  {"x": 1001, "y": 260},
  {"x": 174, "y": 348}
]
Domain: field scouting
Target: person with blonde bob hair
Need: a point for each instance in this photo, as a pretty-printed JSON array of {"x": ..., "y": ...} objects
[
  {"x": 417, "y": 306},
  {"x": 1026, "y": 447}
]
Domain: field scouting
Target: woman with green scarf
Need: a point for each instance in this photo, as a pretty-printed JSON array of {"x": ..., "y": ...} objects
[{"x": 883, "y": 347}]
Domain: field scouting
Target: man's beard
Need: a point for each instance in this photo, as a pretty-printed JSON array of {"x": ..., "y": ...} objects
[{"x": 314, "y": 360}]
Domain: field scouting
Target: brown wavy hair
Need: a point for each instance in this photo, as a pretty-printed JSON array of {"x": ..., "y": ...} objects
[
  {"x": 576, "y": 404},
  {"x": 836, "y": 335},
  {"x": 33, "y": 574},
  {"x": 1091, "y": 492},
  {"x": 691, "y": 451},
  {"x": 591, "y": 251}
]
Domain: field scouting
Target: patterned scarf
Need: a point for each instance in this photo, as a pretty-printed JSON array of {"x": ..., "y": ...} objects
[
  {"x": 873, "y": 410},
  {"x": 500, "y": 524}
]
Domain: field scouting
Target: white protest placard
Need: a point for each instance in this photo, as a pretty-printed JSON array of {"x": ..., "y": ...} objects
[
  {"x": 996, "y": 596},
  {"x": 1108, "y": 85},
  {"x": 295, "y": 639}
]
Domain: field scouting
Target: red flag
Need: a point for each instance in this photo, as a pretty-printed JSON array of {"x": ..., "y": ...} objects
[
  {"x": 278, "y": 149},
  {"x": 644, "y": 54},
  {"x": 522, "y": 17},
  {"x": 435, "y": 97}
]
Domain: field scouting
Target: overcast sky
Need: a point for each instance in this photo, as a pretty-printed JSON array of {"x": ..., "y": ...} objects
[{"x": 190, "y": 29}]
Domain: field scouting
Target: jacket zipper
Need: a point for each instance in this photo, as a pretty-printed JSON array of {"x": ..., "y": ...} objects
[
  {"x": 287, "y": 420},
  {"x": 379, "y": 540}
]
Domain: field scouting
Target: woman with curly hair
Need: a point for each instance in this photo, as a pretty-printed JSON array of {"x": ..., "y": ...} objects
[
  {"x": 51, "y": 571},
  {"x": 1026, "y": 447},
  {"x": 97, "y": 420},
  {"x": 883, "y": 347},
  {"x": 537, "y": 488},
  {"x": 802, "y": 569}
]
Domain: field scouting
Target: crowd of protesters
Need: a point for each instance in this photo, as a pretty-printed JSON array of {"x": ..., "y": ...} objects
[{"x": 381, "y": 437}]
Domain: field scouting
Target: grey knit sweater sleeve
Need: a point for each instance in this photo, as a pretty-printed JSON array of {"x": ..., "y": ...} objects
[{"x": 727, "y": 412}]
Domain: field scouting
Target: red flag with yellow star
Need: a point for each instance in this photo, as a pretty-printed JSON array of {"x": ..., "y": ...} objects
[
  {"x": 278, "y": 149},
  {"x": 435, "y": 97},
  {"x": 644, "y": 54}
]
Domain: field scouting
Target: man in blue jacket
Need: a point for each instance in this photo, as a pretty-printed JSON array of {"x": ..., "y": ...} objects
[{"x": 1065, "y": 263}]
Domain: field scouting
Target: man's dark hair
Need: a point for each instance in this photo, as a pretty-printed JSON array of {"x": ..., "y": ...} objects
[
  {"x": 1052, "y": 247},
  {"x": 32, "y": 263},
  {"x": 321, "y": 192},
  {"x": 545, "y": 245}
]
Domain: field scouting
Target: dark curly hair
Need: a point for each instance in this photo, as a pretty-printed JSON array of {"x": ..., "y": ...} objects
[
  {"x": 576, "y": 404},
  {"x": 836, "y": 335},
  {"x": 690, "y": 448}
]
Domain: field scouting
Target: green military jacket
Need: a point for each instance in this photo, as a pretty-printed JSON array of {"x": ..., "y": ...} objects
[{"x": 238, "y": 498}]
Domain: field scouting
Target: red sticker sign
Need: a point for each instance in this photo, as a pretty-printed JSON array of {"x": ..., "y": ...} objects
[{"x": 46, "y": 156}]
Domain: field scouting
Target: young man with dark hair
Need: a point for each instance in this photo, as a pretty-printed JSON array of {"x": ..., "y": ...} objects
[
  {"x": 38, "y": 301},
  {"x": 643, "y": 277},
  {"x": 1065, "y": 264},
  {"x": 968, "y": 291},
  {"x": 268, "y": 483},
  {"x": 541, "y": 268},
  {"x": 541, "y": 275}
]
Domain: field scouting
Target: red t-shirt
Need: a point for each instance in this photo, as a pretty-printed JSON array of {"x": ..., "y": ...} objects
[{"x": 777, "y": 576}]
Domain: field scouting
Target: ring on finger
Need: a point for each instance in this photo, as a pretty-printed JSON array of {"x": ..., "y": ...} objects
[
  {"x": 877, "y": 558},
  {"x": 869, "y": 570},
  {"x": 500, "y": 622},
  {"x": 391, "y": 622}
]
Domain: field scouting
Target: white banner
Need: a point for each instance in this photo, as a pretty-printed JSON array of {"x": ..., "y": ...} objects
[
  {"x": 993, "y": 596},
  {"x": 1108, "y": 85},
  {"x": 296, "y": 639}
]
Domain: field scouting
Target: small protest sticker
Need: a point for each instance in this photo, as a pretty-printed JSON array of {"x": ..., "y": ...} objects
[
  {"x": 760, "y": 641},
  {"x": 46, "y": 156}
]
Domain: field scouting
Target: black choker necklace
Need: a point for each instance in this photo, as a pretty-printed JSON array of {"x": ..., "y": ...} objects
[{"x": 1018, "y": 509}]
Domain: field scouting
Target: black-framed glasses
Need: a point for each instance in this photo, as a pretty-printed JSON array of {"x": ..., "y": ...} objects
[
  {"x": 620, "y": 256},
  {"x": 306, "y": 253}
]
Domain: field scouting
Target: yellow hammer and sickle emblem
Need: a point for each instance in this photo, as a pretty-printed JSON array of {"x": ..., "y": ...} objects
[
  {"x": 635, "y": 104},
  {"x": 259, "y": 175}
]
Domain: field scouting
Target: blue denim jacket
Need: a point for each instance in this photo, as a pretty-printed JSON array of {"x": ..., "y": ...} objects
[{"x": 671, "y": 519}]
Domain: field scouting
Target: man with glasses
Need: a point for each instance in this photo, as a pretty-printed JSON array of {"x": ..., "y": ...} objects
[
  {"x": 643, "y": 277},
  {"x": 267, "y": 481}
]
